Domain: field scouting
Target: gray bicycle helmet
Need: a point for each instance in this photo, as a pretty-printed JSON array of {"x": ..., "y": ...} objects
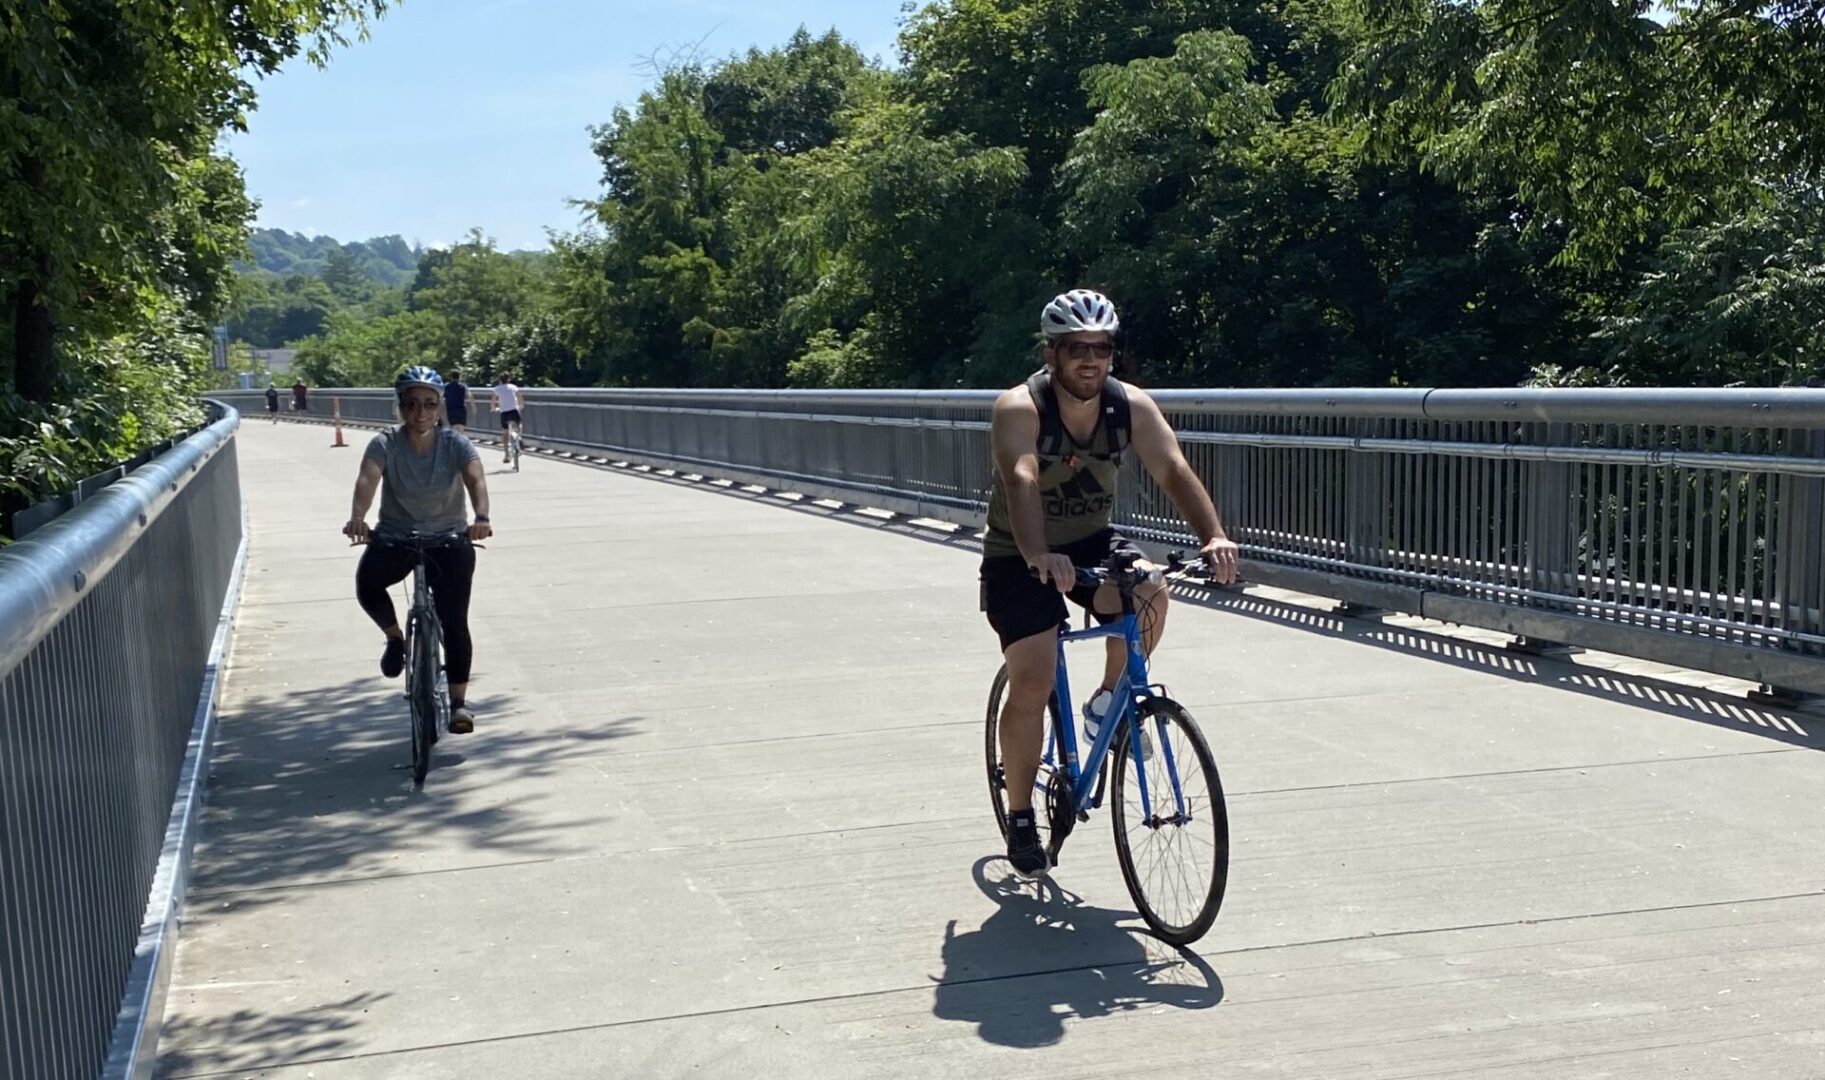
[
  {"x": 418, "y": 375},
  {"x": 1079, "y": 311}
]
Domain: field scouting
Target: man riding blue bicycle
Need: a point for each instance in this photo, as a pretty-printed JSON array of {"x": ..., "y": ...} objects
[
  {"x": 1058, "y": 442},
  {"x": 426, "y": 467}
]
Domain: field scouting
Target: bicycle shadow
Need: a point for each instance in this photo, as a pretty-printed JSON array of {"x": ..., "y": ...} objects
[{"x": 1045, "y": 956}]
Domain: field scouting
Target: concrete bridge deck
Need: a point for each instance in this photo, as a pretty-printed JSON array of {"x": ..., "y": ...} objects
[{"x": 724, "y": 815}]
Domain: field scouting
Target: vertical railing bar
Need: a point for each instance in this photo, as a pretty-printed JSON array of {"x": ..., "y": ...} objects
[
  {"x": 1664, "y": 478},
  {"x": 1714, "y": 580},
  {"x": 1766, "y": 590}
]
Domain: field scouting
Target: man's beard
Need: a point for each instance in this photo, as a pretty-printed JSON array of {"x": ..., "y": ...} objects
[{"x": 1083, "y": 390}]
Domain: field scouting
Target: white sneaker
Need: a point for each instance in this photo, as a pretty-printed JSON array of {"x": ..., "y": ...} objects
[{"x": 1096, "y": 709}]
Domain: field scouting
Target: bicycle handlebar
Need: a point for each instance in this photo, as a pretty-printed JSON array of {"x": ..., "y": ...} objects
[
  {"x": 1121, "y": 577},
  {"x": 1129, "y": 576},
  {"x": 418, "y": 541}
]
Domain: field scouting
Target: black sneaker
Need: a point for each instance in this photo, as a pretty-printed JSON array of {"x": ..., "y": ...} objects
[
  {"x": 1025, "y": 852},
  {"x": 393, "y": 661}
]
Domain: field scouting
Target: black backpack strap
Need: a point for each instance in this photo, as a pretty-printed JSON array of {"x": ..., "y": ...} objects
[
  {"x": 1118, "y": 420},
  {"x": 1051, "y": 428},
  {"x": 1117, "y": 416}
]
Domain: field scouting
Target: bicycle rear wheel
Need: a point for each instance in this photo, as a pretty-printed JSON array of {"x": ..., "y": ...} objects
[
  {"x": 422, "y": 694},
  {"x": 1052, "y": 773},
  {"x": 1176, "y": 858}
]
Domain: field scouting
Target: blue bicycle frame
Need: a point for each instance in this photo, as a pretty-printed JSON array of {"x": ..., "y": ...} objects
[{"x": 1129, "y": 691}]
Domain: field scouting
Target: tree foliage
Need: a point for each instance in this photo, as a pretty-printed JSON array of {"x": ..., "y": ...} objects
[
  {"x": 1276, "y": 192},
  {"x": 119, "y": 225},
  {"x": 1615, "y": 121}
]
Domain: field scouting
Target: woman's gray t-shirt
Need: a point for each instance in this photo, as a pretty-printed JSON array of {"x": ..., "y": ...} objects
[{"x": 421, "y": 492}]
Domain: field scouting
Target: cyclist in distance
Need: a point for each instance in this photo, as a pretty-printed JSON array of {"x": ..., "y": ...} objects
[
  {"x": 507, "y": 401},
  {"x": 456, "y": 402},
  {"x": 425, "y": 466},
  {"x": 1058, "y": 441}
]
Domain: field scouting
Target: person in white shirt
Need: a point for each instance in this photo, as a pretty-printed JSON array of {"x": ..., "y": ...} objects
[{"x": 507, "y": 402}]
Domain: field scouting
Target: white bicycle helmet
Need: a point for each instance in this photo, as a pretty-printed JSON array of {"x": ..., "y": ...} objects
[{"x": 1078, "y": 311}]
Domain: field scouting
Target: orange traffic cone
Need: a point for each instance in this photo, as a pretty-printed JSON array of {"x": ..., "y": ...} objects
[{"x": 336, "y": 407}]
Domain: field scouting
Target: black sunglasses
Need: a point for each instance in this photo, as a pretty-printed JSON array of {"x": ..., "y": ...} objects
[
  {"x": 418, "y": 404},
  {"x": 1078, "y": 350}
]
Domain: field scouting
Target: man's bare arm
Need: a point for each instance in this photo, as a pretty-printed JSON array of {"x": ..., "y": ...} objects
[
  {"x": 1165, "y": 462},
  {"x": 1014, "y": 432},
  {"x": 1159, "y": 450}
]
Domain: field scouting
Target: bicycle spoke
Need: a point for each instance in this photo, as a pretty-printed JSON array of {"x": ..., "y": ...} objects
[{"x": 1175, "y": 860}]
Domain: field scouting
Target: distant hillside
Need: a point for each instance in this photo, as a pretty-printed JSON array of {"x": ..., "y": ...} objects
[{"x": 386, "y": 259}]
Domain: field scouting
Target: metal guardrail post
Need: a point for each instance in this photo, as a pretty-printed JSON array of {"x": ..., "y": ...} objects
[
  {"x": 1551, "y": 557},
  {"x": 1796, "y": 578}
]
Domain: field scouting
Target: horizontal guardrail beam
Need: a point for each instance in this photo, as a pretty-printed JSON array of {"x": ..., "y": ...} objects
[{"x": 1691, "y": 517}]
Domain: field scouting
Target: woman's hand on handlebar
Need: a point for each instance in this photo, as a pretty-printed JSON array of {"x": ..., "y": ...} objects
[{"x": 356, "y": 530}]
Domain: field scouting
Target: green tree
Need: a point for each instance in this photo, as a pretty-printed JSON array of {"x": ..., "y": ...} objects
[
  {"x": 667, "y": 186},
  {"x": 105, "y": 107},
  {"x": 532, "y": 349},
  {"x": 918, "y": 246},
  {"x": 342, "y": 274},
  {"x": 371, "y": 352},
  {"x": 1613, "y": 121},
  {"x": 1738, "y": 301},
  {"x": 477, "y": 286},
  {"x": 791, "y": 99}
]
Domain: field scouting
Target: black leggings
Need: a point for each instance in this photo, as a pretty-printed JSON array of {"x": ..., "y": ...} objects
[{"x": 451, "y": 573}]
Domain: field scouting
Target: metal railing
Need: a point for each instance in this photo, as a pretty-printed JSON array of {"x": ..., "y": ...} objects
[
  {"x": 107, "y": 619},
  {"x": 1686, "y": 526}
]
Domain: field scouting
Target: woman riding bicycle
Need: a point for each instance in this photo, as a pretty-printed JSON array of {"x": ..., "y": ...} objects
[{"x": 426, "y": 466}]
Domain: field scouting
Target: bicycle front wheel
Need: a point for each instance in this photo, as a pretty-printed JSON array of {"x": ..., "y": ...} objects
[
  {"x": 422, "y": 694},
  {"x": 1173, "y": 844}
]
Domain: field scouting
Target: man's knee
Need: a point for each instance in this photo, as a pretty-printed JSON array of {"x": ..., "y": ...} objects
[
  {"x": 1153, "y": 596},
  {"x": 1032, "y": 665}
]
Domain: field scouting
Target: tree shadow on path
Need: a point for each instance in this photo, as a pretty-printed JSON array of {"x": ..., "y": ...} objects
[{"x": 315, "y": 786}]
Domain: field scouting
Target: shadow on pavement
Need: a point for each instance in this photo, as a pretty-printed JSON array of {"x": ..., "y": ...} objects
[
  {"x": 246, "y": 1042},
  {"x": 1046, "y": 956},
  {"x": 828, "y": 510},
  {"x": 317, "y": 785},
  {"x": 1792, "y": 727}
]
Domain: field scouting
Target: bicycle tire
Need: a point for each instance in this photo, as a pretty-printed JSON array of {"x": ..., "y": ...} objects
[
  {"x": 996, "y": 778},
  {"x": 1191, "y": 915},
  {"x": 422, "y": 694}
]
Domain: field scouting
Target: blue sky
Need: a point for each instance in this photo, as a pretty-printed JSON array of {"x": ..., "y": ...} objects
[{"x": 460, "y": 113}]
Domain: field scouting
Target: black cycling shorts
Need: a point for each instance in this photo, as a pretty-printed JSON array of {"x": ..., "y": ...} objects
[
  {"x": 1019, "y": 605},
  {"x": 511, "y": 416}
]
